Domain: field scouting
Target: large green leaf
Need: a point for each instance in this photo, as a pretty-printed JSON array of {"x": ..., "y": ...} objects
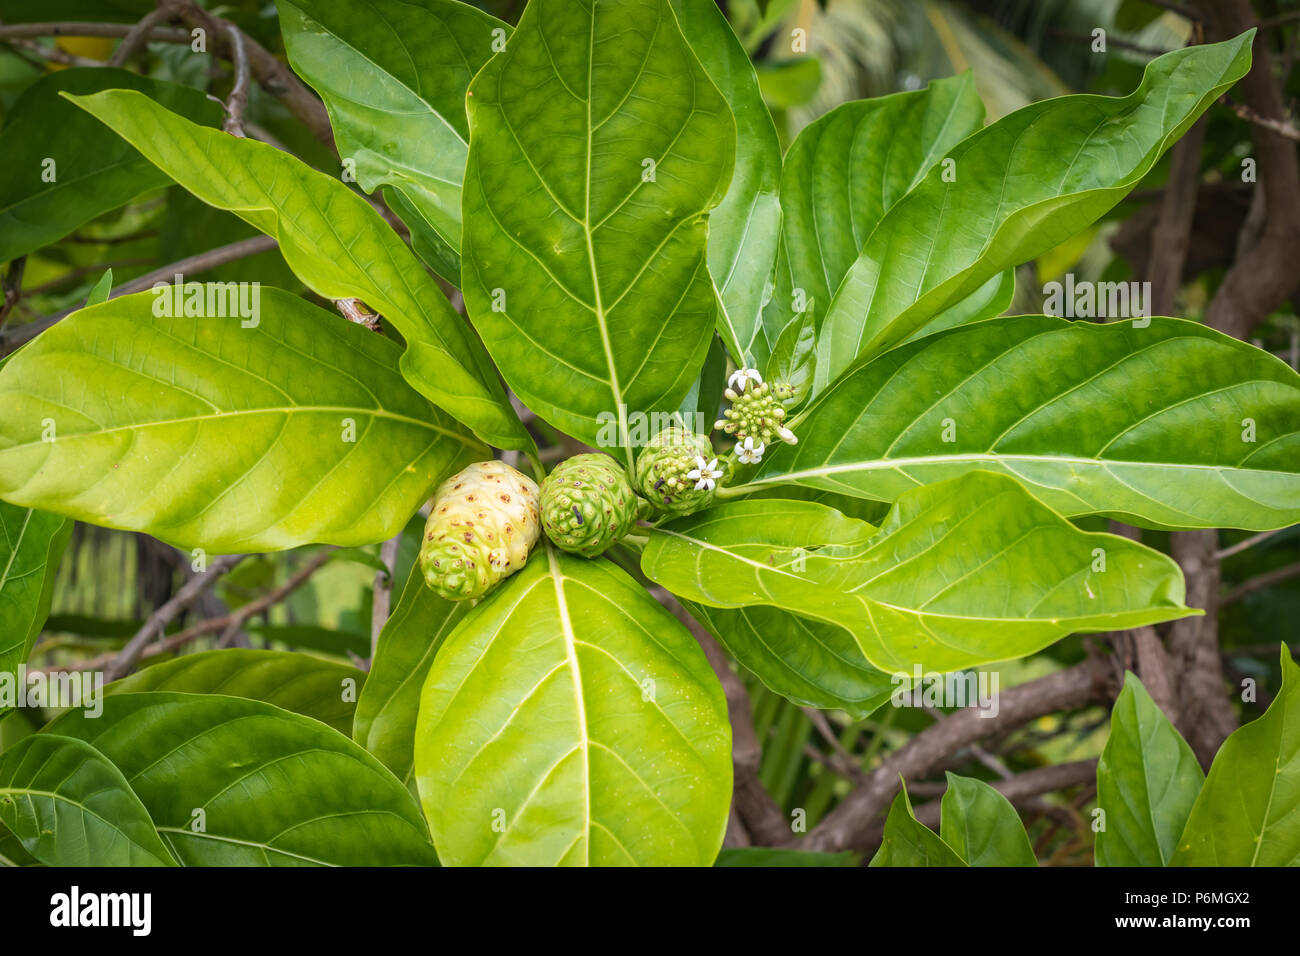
[
  {"x": 347, "y": 643},
  {"x": 962, "y": 573},
  {"x": 390, "y": 701},
  {"x": 1147, "y": 781},
  {"x": 93, "y": 171},
  {"x": 31, "y": 544},
  {"x": 1016, "y": 189},
  {"x": 12, "y": 852},
  {"x": 298, "y": 682},
  {"x": 14, "y": 726},
  {"x": 991, "y": 299},
  {"x": 1248, "y": 812},
  {"x": 334, "y": 242},
  {"x": 1172, "y": 424},
  {"x": 705, "y": 396},
  {"x": 69, "y": 806},
  {"x": 844, "y": 172},
  {"x": 570, "y": 719},
  {"x": 908, "y": 842},
  {"x": 428, "y": 245},
  {"x": 981, "y": 826},
  {"x": 207, "y": 434},
  {"x": 393, "y": 75},
  {"x": 745, "y": 228},
  {"x": 806, "y": 661},
  {"x": 597, "y": 146},
  {"x": 274, "y": 788}
]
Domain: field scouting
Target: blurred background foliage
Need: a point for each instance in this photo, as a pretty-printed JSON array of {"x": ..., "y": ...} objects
[{"x": 811, "y": 55}]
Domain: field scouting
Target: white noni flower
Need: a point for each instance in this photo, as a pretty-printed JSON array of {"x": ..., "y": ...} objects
[
  {"x": 705, "y": 474},
  {"x": 748, "y": 453},
  {"x": 742, "y": 377}
]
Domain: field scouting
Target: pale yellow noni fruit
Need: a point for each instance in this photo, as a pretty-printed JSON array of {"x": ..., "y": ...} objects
[{"x": 484, "y": 523}]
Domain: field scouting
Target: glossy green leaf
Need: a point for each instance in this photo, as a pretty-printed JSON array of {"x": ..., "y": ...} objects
[
  {"x": 68, "y": 805},
  {"x": 274, "y": 788},
  {"x": 393, "y": 75},
  {"x": 1168, "y": 425},
  {"x": 790, "y": 83},
  {"x": 190, "y": 227},
  {"x": 570, "y": 719},
  {"x": 864, "y": 509},
  {"x": 842, "y": 174},
  {"x": 323, "y": 640},
  {"x": 207, "y": 434},
  {"x": 962, "y": 573},
  {"x": 31, "y": 544},
  {"x": 792, "y": 360},
  {"x": 745, "y": 228},
  {"x": 390, "y": 701},
  {"x": 12, "y": 852},
  {"x": 334, "y": 242},
  {"x": 1016, "y": 189},
  {"x": 700, "y": 407},
  {"x": 1147, "y": 781},
  {"x": 597, "y": 146},
  {"x": 981, "y": 826},
  {"x": 93, "y": 170},
  {"x": 907, "y": 842},
  {"x": 14, "y": 726},
  {"x": 806, "y": 661},
  {"x": 991, "y": 299},
  {"x": 1248, "y": 812},
  {"x": 767, "y": 856},
  {"x": 435, "y": 251},
  {"x": 102, "y": 289},
  {"x": 297, "y": 682}
]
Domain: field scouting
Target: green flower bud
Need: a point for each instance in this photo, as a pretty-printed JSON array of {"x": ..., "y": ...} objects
[
  {"x": 757, "y": 415},
  {"x": 677, "y": 471},
  {"x": 484, "y": 523},
  {"x": 785, "y": 392},
  {"x": 588, "y": 504}
]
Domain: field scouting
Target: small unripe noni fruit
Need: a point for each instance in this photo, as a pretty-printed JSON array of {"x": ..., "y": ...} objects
[
  {"x": 664, "y": 471},
  {"x": 484, "y": 523},
  {"x": 588, "y": 504}
]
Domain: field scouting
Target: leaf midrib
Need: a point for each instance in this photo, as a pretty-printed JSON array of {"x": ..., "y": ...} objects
[
  {"x": 17, "y": 543},
  {"x": 571, "y": 658},
  {"x": 890, "y": 463},
  {"x": 266, "y": 410},
  {"x": 917, "y": 612},
  {"x": 601, "y": 322},
  {"x": 57, "y": 797}
]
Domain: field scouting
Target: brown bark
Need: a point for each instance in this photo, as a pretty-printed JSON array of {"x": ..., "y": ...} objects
[
  {"x": 1205, "y": 715},
  {"x": 849, "y": 825}
]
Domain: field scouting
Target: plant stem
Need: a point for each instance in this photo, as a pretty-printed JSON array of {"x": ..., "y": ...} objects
[
  {"x": 87, "y": 28},
  {"x": 733, "y": 491},
  {"x": 138, "y": 36},
  {"x": 190, "y": 592},
  {"x": 194, "y": 264}
]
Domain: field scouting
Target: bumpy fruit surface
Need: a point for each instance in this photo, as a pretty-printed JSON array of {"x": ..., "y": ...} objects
[
  {"x": 588, "y": 504},
  {"x": 663, "y": 467},
  {"x": 484, "y": 523}
]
